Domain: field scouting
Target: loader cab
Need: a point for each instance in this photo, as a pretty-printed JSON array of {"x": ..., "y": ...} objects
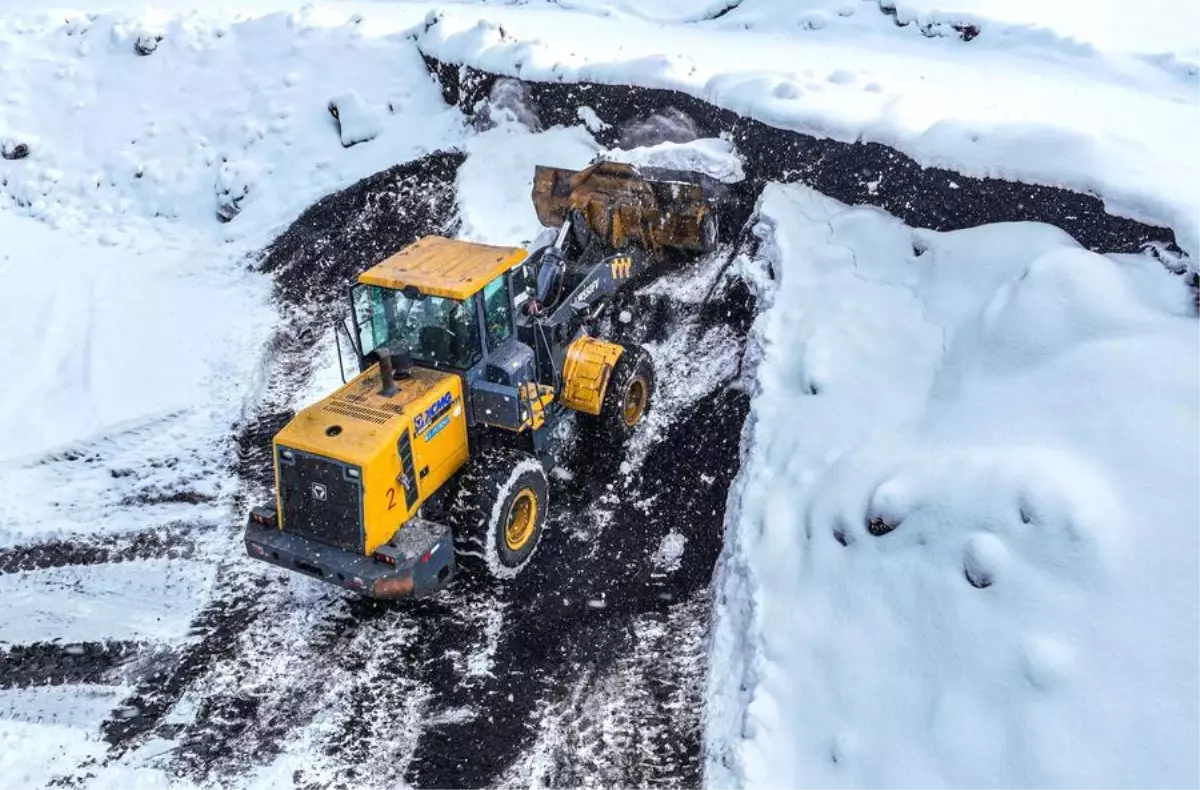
[
  {"x": 448, "y": 302},
  {"x": 439, "y": 332}
]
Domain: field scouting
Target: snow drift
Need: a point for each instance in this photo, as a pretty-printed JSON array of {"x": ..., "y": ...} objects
[{"x": 964, "y": 548}]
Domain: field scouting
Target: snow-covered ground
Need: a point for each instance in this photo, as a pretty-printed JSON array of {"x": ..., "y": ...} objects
[
  {"x": 1016, "y": 417},
  {"x": 135, "y": 329}
]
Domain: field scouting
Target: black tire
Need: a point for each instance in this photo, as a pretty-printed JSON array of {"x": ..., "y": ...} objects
[
  {"x": 628, "y": 397},
  {"x": 495, "y": 488}
]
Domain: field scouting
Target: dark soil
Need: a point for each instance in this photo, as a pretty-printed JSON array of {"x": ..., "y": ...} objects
[
  {"x": 55, "y": 664},
  {"x": 316, "y": 259}
]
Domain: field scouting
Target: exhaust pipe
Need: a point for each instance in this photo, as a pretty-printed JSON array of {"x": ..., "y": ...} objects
[
  {"x": 393, "y": 364},
  {"x": 387, "y": 374}
]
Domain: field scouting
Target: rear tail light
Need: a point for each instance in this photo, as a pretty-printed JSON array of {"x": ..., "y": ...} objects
[
  {"x": 256, "y": 549},
  {"x": 263, "y": 516},
  {"x": 381, "y": 557}
]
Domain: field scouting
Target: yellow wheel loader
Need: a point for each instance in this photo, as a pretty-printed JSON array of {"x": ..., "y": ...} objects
[{"x": 469, "y": 355}]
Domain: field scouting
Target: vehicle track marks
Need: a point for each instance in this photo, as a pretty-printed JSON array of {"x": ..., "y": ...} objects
[
  {"x": 56, "y": 663},
  {"x": 172, "y": 541},
  {"x": 218, "y": 626}
]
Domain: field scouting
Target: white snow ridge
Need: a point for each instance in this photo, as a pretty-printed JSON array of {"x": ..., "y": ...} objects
[{"x": 964, "y": 551}]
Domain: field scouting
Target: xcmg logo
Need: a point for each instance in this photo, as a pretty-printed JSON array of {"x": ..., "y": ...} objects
[{"x": 430, "y": 415}]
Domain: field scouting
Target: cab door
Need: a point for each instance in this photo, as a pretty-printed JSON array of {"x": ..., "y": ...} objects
[{"x": 497, "y": 311}]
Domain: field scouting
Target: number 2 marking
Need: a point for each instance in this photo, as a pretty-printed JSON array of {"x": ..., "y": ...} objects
[{"x": 391, "y": 496}]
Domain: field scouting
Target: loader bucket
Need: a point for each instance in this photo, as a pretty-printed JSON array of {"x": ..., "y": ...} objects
[{"x": 622, "y": 204}]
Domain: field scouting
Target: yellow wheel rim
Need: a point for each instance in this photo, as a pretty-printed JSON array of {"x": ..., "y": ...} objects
[
  {"x": 522, "y": 516},
  {"x": 636, "y": 396}
]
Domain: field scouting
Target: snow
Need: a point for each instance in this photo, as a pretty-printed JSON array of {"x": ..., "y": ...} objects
[
  {"x": 962, "y": 550},
  {"x": 1149, "y": 28},
  {"x": 358, "y": 122},
  {"x": 31, "y": 752},
  {"x": 712, "y": 157},
  {"x": 89, "y": 353},
  {"x": 153, "y": 600},
  {"x": 669, "y": 555},
  {"x": 963, "y": 546},
  {"x": 134, "y": 325},
  {"x": 511, "y": 150},
  {"x": 136, "y": 331}
]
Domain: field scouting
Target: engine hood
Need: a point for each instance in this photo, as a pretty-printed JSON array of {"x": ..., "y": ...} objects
[{"x": 356, "y": 423}]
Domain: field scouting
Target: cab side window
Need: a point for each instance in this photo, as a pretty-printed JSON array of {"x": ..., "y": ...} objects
[{"x": 497, "y": 311}]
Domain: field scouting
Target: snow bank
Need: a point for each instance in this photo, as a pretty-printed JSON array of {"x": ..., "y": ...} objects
[
  {"x": 358, "y": 122},
  {"x": 145, "y": 155},
  {"x": 225, "y": 111},
  {"x": 964, "y": 547},
  {"x": 1150, "y": 27}
]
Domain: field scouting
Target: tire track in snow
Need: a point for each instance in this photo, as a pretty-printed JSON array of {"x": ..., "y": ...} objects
[
  {"x": 172, "y": 541},
  {"x": 54, "y": 663},
  {"x": 218, "y": 626}
]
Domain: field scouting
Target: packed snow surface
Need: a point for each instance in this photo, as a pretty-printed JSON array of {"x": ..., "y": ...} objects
[{"x": 964, "y": 550}]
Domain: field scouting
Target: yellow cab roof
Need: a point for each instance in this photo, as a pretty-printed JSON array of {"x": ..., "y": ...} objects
[{"x": 438, "y": 266}]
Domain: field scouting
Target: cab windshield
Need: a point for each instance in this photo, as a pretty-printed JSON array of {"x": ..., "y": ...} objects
[{"x": 438, "y": 332}]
